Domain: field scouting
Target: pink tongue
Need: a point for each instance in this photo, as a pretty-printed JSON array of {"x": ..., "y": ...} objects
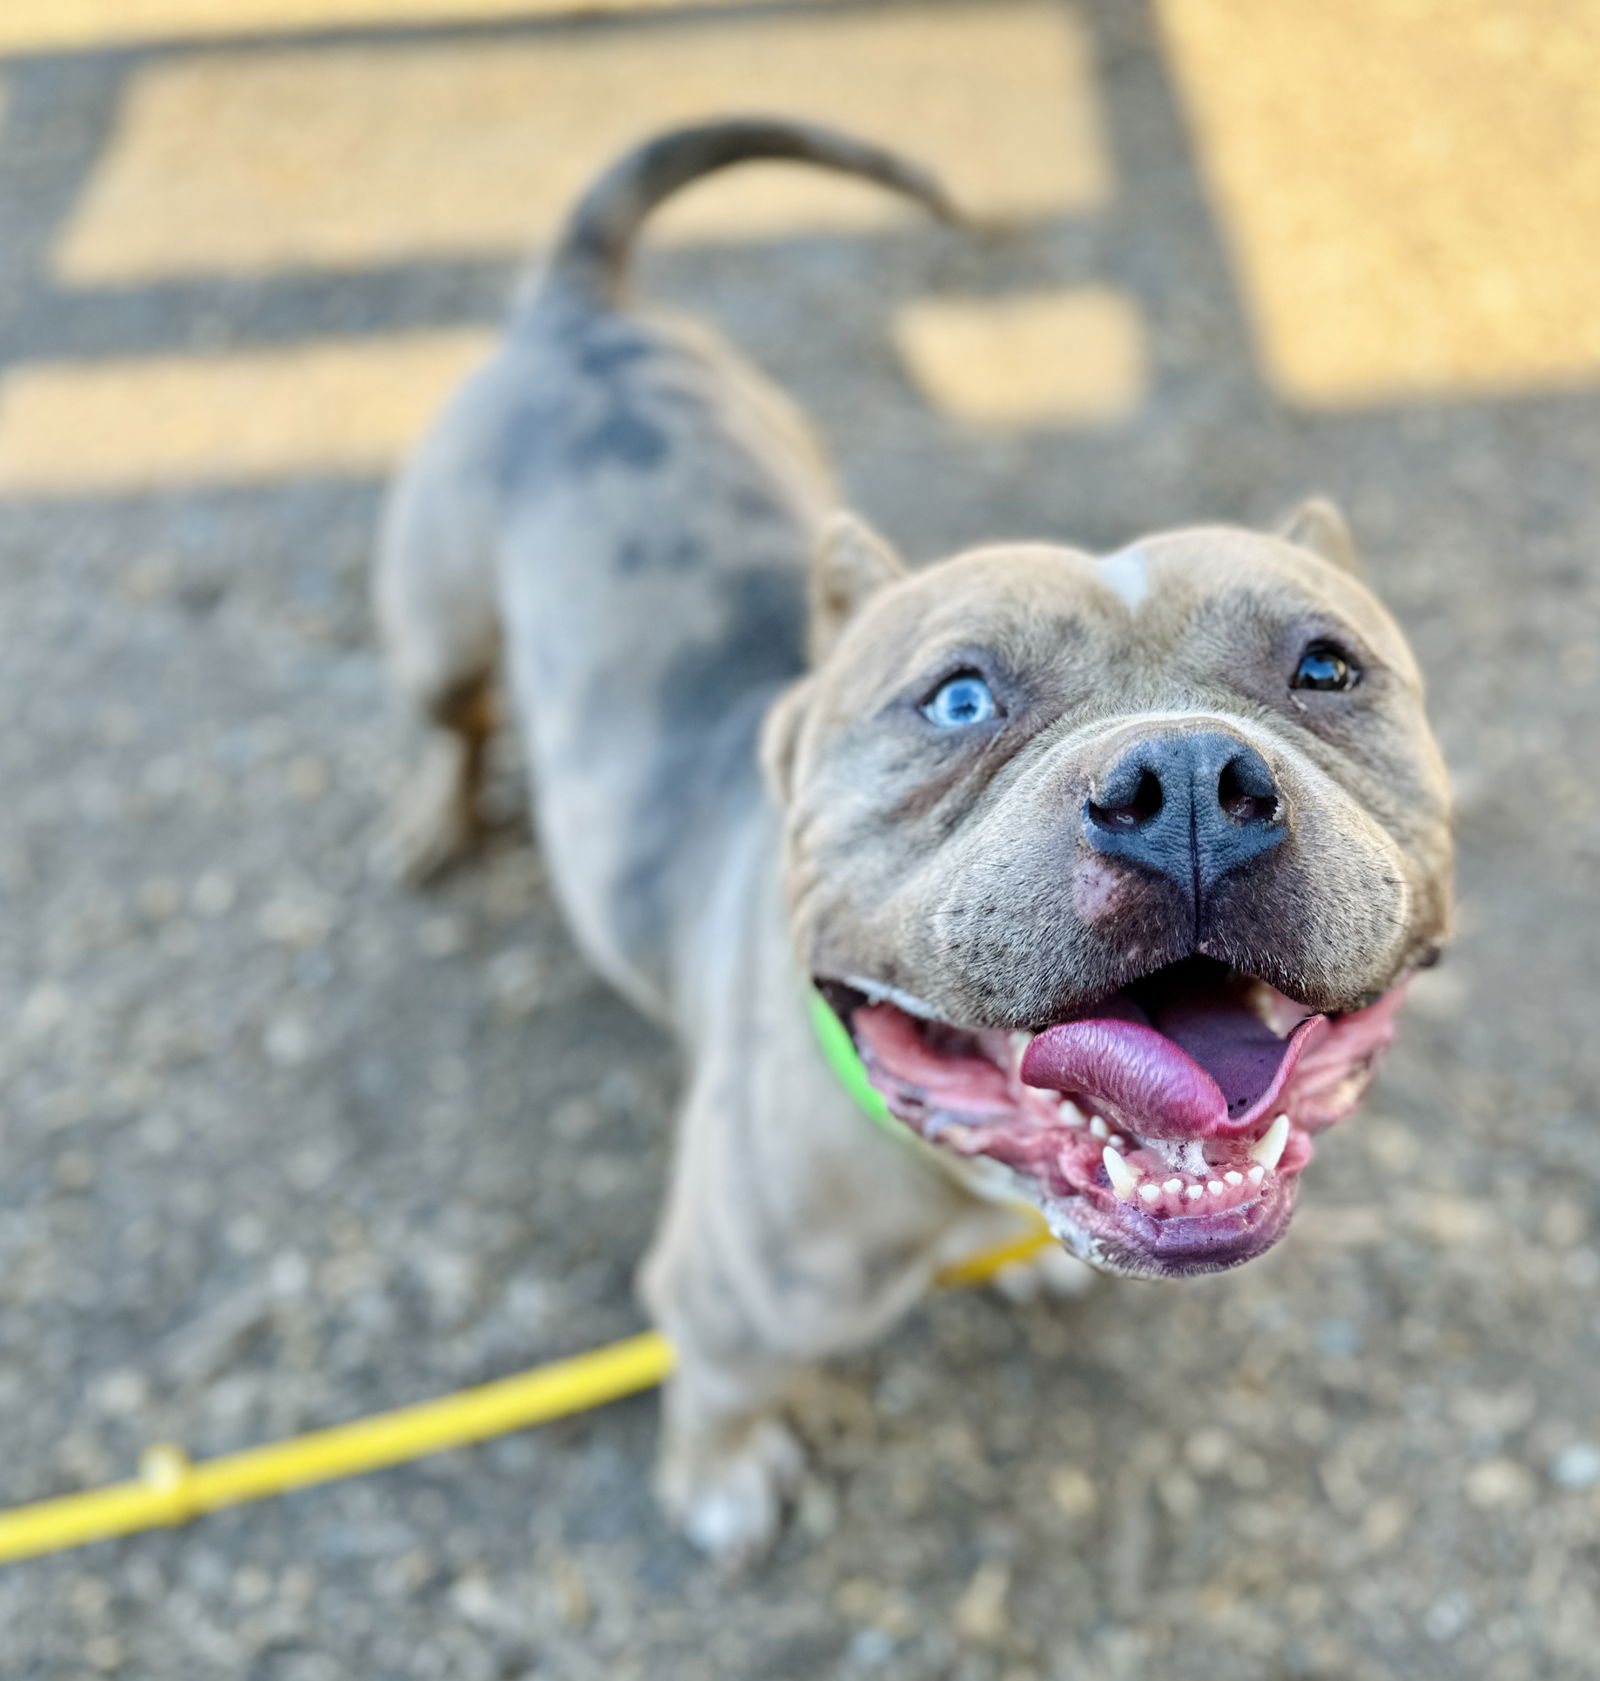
[{"x": 1149, "y": 1081}]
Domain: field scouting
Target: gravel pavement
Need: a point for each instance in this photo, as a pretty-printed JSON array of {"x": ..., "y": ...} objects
[{"x": 283, "y": 1144}]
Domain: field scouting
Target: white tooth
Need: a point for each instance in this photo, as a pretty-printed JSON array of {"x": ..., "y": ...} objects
[
  {"x": 1118, "y": 1142},
  {"x": 1269, "y": 1150},
  {"x": 1256, "y": 1174},
  {"x": 1195, "y": 1192},
  {"x": 1124, "y": 1181},
  {"x": 1150, "y": 1193},
  {"x": 1099, "y": 1128},
  {"x": 1215, "y": 1187},
  {"x": 1173, "y": 1186},
  {"x": 1019, "y": 1045},
  {"x": 1071, "y": 1113},
  {"x": 1233, "y": 1178}
]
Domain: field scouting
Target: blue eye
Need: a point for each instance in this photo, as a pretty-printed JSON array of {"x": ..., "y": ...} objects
[{"x": 960, "y": 702}]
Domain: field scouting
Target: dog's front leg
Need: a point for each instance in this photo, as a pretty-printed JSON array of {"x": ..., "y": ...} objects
[
  {"x": 795, "y": 1229},
  {"x": 728, "y": 1460}
]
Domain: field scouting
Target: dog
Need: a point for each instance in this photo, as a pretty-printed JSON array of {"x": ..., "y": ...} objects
[{"x": 1114, "y": 867}]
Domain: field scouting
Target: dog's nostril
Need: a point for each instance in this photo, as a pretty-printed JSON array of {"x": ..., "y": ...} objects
[
  {"x": 1245, "y": 791},
  {"x": 1192, "y": 806},
  {"x": 1133, "y": 813}
]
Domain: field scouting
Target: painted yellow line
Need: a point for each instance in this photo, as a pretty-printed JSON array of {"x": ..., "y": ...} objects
[
  {"x": 352, "y": 407},
  {"x": 171, "y": 1489},
  {"x": 57, "y": 25},
  {"x": 336, "y": 407},
  {"x": 1411, "y": 192},
  {"x": 345, "y": 157},
  {"x": 1057, "y": 358}
]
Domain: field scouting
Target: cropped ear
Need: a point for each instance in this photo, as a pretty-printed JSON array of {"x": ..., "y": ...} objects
[
  {"x": 780, "y": 738},
  {"x": 852, "y": 563},
  {"x": 1318, "y": 525}
]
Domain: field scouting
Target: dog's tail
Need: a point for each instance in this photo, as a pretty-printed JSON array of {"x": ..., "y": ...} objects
[{"x": 591, "y": 253}]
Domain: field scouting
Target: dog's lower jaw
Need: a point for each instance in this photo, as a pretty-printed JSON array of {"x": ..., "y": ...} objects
[{"x": 1164, "y": 1250}]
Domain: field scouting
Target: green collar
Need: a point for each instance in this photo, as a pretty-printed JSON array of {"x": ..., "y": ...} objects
[{"x": 840, "y": 1052}]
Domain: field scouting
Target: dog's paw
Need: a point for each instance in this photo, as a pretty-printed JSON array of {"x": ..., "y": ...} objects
[
  {"x": 414, "y": 855},
  {"x": 730, "y": 1504},
  {"x": 1050, "y": 1272},
  {"x": 431, "y": 828}
]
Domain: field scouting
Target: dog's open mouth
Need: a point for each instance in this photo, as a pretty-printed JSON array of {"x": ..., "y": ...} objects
[{"x": 1162, "y": 1130}]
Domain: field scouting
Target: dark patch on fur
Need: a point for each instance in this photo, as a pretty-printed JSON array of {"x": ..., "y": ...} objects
[
  {"x": 604, "y": 354},
  {"x": 624, "y": 437},
  {"x": 709, "y": 708},
  {"x": 527, "y": 450},
  {"x": 540, "y": 441},
  {"x": 759, "y": 506},
  {"x": 633, "y": 557},
  {"x": 614, "y": 356},
  {"x": 682, "y": 553}
]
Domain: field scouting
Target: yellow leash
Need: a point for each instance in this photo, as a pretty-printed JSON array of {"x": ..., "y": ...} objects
[{"x": 171, "y": 1488}]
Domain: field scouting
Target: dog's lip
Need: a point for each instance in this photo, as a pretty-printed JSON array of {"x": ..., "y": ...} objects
[
  {"x": 1129, "y": 1240},
  {"x": 836, "y": 990}
]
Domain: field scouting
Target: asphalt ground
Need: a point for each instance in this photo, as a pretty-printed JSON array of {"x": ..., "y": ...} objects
[{"x": 283, "y": 1144}]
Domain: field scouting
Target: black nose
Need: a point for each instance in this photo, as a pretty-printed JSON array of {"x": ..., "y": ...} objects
[{"x": 1189, "y": 805}]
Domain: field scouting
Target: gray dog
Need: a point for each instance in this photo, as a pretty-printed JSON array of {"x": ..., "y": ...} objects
[{"x": 1113, "y": 868}]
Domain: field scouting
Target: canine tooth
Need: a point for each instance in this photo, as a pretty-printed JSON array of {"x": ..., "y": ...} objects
[
  {"x": 1215, "y": 1187},
  {"x": 1173, "y": 1186},
  {"x": 1194, "y": 1192},
  {"x": 1150, "y": 1193},
  {"x": 1124, "y": 1181},
  {"x": 1256, "y": 1174},
  {"x": 1233, "y": 1177},
  {"x": 1269, "y": 1149},
  {"x": 1099, "y": 1127}
]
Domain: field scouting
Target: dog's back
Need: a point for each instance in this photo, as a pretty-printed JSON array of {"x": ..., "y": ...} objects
[{"x": 623, "y": 509}]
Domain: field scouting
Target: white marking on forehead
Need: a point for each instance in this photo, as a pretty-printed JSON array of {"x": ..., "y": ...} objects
[{"x": 1127, "y": 574}]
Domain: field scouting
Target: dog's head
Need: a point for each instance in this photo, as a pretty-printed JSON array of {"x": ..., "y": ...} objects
[{"x": 1115, "y": 868}]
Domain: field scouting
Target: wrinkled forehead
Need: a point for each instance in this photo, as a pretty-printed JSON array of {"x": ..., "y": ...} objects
[{"x": 1174, "y": 595}]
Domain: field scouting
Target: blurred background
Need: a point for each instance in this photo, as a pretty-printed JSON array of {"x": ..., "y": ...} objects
[{"x": 283, "y": 1145}]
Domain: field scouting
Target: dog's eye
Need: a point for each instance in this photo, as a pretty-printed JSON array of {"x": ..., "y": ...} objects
[
  {"x": 1325, "y": 665},
  {"x": 961, "y": 701}
]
